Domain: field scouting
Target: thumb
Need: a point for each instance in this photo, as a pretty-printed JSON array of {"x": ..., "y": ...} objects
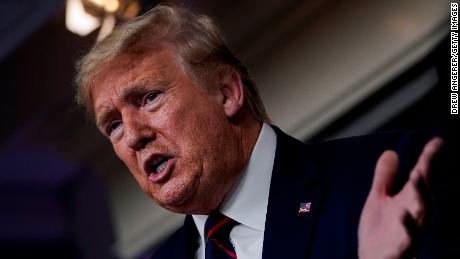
[{"x": 385, "y": 173}]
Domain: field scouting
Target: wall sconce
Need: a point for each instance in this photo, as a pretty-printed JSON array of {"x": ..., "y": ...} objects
[{"x": 85, "y": 16}]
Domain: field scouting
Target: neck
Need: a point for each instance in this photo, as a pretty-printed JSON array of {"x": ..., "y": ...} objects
[{"x": 248, "y": 129}]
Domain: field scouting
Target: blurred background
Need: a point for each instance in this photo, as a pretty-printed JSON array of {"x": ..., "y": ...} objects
[{"x": 325, "y": 69}]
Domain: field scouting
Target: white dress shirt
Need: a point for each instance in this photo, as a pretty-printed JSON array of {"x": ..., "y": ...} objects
[{"x": 247, "y": 201}]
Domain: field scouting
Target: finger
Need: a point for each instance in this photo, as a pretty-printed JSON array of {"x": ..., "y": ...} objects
[
  {"x": 425, "y": 158},
  {"x": 385, "y": 172},
  {"x": 414, "y": 197}
]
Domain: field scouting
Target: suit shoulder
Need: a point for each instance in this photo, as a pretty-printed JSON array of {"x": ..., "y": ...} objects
[
  {"x": 397, "y": 140},
  {"x": 352, "y": 160}
]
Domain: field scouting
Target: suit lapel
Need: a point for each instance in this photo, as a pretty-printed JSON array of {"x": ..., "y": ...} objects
[
  {"x": 182, "y": 244},
  {"x": 288, "y": 233}
]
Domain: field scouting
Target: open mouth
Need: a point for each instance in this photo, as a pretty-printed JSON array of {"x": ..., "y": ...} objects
[{"x": 159, "y": 167}]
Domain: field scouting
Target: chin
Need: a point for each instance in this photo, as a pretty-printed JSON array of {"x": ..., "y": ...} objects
[
  {"x": 177, "y": 200},
  {"x": 192, "y": 205},
  {"x": 191, "y": 210},
  {"x": 187, "y": 196}
]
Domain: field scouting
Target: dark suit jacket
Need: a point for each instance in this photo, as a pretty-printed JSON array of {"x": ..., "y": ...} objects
[{"x": 335, "y": 177}]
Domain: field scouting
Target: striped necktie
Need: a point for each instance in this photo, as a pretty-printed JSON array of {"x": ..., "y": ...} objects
[{"x": 217, "y": 231}]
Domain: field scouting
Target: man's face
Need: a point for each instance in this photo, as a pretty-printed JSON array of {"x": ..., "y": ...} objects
[{"x": 174, "y": 136}]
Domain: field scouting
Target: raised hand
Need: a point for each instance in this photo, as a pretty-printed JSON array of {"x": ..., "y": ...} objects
[{"x": 389, "y": 224}]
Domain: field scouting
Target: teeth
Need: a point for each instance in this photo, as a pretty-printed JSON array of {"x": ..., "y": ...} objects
[
  {"x": 158, "y": 165},
  {"x": 162, "y": 166}
]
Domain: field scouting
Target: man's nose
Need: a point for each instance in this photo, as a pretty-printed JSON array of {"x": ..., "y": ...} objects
[{"x": 137, "y": 132}]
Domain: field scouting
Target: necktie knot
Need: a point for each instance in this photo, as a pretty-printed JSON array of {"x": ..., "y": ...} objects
[{"x": 217, "y": 231}]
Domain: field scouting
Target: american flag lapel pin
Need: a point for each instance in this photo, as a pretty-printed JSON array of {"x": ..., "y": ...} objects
[{"x": 304, "y": 207}]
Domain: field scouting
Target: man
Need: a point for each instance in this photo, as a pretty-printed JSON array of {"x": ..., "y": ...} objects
[{"x": 185, "y": 117}]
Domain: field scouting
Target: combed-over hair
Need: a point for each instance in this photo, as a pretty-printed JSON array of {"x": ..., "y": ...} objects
[{"x": 196, "y": 38}]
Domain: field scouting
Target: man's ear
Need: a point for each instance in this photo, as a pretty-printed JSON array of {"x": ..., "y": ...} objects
[{"x": 231, "y": 92}]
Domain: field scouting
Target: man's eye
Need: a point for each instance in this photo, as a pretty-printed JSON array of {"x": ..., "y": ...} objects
[
  {"x": 150, "y": 97},
  {"x": 113, "y": 126}
]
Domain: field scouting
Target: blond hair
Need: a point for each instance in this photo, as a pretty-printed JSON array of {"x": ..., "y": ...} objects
[{"x": 196, "y": 38}]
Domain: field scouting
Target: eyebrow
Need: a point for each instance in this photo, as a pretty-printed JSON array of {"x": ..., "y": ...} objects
[
  {"x": 127, "y": 94},
  {"x": 134, "y": 90},
  {"x": 102, "y": 119},
  {"x": 142, "y": 86}
]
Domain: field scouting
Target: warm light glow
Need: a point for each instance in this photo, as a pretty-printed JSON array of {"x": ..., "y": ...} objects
[
  {"x": 99, "y": 3},
  {"x": 77, "y": 20},
  {"x": 84, "y": 16},
  {"x": 110, "y": 6},
  {"x": 132, "y": 8},
  {"x": 108, "y": 24}
]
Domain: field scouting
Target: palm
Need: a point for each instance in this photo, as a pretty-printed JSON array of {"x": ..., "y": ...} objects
[{"x": 388, "y": 224}]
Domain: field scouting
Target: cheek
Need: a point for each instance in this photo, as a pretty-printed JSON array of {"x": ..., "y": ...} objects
[
  {"x": 184, "y": 125},
  {"x": 203, "y": 143},
  {"x": 194, "y": 132}
]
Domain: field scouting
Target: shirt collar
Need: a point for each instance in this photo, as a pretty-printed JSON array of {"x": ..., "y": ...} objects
[{"x": 248, "y": 199}]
